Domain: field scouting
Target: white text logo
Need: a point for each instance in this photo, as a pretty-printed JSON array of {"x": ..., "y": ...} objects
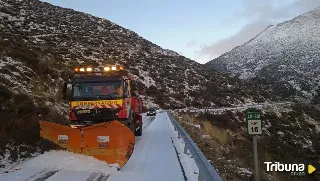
[{"x": 295, "y": 169}]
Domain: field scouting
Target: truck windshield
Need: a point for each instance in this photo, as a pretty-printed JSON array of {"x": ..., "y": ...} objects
[{"x": 103, "y": 90}]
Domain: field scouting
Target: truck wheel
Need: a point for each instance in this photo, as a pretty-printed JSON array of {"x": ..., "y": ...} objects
[
  {"x": 131, "y": 121},
  {"x": 139, "y": 131}
]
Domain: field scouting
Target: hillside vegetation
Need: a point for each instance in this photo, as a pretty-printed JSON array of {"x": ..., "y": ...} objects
[{"x": 289, "y": 136}]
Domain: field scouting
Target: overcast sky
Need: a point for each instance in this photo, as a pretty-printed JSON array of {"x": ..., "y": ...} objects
[{"x": 198, "y": 29}]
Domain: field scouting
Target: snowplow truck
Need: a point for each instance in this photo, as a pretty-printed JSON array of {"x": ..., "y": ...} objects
[{"x": 104, "y": 115}]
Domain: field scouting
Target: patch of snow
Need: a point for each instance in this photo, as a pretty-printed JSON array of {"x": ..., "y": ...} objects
[
  {"x": 206, "y": 136},
  {"x": 12, "y": 18},
  {"x": 195, "y": 125},
  {"x": 6, "y": 164},
  {"x": 147, "y": 102},
  {"x": 147, "y": 81},
  {"x": 189, "y": 165},
  {"x": 244, "y": 171},
  {"x": 294, "y": 85},
  {"x": 313, "y": 122},
  {"x": 100, "y": 28},
  {"x": 71, "y": 161}
]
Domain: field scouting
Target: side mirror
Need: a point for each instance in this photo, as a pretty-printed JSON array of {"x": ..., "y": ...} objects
[{"x": 67, "y": 91}]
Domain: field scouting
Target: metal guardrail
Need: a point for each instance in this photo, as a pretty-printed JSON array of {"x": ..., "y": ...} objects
[{"x": 206, "y": 171}]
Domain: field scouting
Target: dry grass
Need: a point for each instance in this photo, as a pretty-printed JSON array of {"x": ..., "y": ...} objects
[
  {"x": 221, "y": 135},
  {"x": 189, "y": 119}
]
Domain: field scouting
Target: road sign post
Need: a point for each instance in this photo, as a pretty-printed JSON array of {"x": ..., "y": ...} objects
[
  {"x": 255, "y": 157},
  {"x": 254, "y": 128}
]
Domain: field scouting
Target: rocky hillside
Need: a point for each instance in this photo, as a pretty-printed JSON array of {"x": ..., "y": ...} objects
[
  {"x": 290, "y": 135},
  {"x": 40, "y": 43},
  {"x": 284, "y": 58}
]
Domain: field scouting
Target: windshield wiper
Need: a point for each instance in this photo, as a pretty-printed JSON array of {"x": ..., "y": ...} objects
[
  {"x": 96, "y": 97},
  {"x": 107, "y": 96}
]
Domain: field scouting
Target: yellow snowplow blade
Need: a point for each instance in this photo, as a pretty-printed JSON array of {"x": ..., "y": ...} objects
[{"x": 111, "y": 142}]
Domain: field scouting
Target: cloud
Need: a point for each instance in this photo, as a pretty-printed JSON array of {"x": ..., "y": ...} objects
[
  {"x": 191, "y": 43},
  {"x": 303, "y": 6},
  {"x": 245, "y": 34},
  {"x": 277, "y": 9},
  {"x": 259, "y": 14}
]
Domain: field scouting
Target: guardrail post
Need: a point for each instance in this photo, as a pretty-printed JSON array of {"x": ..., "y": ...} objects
[
  {"x": 200, "y": 176},
  {"x": 185, "y": 150}
]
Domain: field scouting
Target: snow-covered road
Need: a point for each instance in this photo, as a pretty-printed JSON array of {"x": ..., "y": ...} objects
[{"x": 154, "y": 158}]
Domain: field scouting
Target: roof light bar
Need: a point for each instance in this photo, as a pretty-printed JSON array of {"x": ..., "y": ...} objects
[{"x": 105, "y": 69}]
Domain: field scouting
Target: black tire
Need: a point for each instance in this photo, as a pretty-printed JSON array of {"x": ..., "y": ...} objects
[
  {"x": 139, "y": 131},
  {"x": 131, "y": 121}
]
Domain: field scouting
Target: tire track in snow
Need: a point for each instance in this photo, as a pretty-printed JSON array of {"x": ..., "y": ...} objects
[
  {"x": 42, "y": 175},
  {"x": 144, "y": 121},
  {"x": 148, "y": 120},
  {"x": 97, "y": 177},
  {"x": 92, "y": 177},
  {"x": 102, "y": 177},
  {"x": 35, "y": 175},
  {"x": 47, "y": 175},
  {"x": 182, "y": 169}
]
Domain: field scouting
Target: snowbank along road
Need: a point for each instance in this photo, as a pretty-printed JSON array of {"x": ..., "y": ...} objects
[
  {"x": 156, "y": 156},
  {"x": 246, "y": 106}
]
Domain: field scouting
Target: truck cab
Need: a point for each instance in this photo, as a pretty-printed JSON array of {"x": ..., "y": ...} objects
[
  {"x": 104, "y": 115},
  {"x": 102, "y": 96}
]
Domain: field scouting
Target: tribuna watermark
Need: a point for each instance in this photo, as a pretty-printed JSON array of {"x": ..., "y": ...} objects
[{"x": 294, "y": 169}]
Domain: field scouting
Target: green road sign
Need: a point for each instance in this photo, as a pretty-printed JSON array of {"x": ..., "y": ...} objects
[
  {"x": 254, "y": 123},
  {"x": 253, "y": 116}
]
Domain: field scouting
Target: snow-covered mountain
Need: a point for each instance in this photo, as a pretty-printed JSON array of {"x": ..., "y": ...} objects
[
  {"x": 284, "y": 58},
  {"x": 41, "y": 43}
]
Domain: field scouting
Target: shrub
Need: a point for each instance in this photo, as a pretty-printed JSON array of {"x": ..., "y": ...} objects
[
  {"x": 19, "y": 118},
  {"x": 5, "y": 94}
]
